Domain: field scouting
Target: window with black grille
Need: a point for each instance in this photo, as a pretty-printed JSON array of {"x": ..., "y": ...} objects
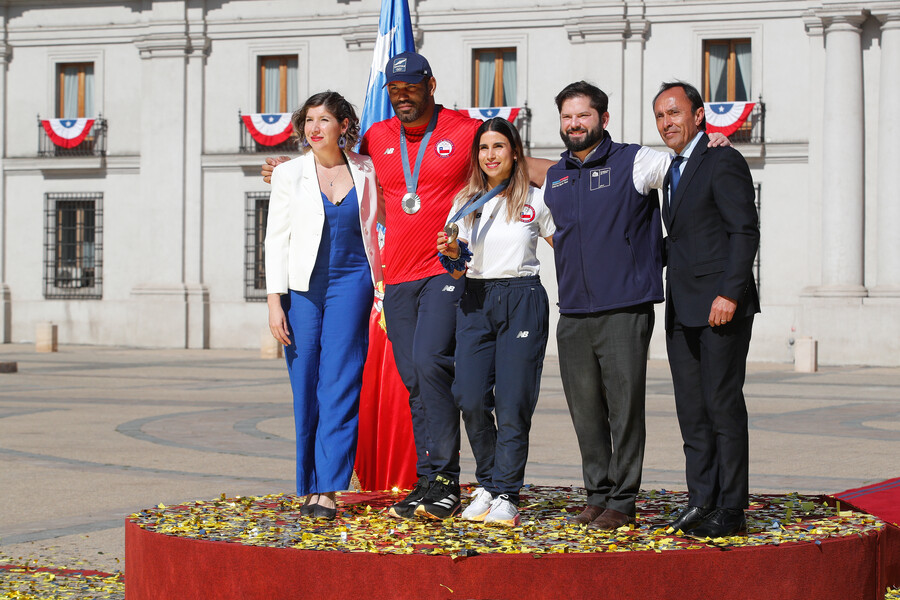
[
  {"x": 73, "y": 245},
  {"x": 255, "y": 261}
]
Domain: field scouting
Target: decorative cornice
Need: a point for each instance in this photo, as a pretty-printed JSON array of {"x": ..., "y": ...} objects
[
  {"x": 638, "y": 29},
  {"x": 813, "y": 24},
  {"x": 889, "y": 20},
  {"x": 842, "y": 17},
  {"x": 361, "y": 37},
  {"x": 596, "y": 29},
  {"x": 884, "y": 11},
  {"x": 171, "y": 45}
]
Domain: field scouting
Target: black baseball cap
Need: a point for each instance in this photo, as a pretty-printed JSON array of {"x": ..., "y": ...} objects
[{"x": 408, "y": 67}]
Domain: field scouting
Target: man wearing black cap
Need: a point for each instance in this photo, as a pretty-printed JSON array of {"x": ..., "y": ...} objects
[{"x": 421, "y": 157}]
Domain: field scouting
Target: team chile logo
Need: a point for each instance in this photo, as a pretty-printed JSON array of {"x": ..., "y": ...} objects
[
  {"x": 527, "y": 214},
  {"x": 444, "y": 148}
]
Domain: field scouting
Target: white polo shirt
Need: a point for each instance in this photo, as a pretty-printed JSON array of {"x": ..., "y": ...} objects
[{"x": 501, "y": 249}]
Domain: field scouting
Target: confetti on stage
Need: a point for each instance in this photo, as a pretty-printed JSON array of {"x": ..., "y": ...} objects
[
  {"x": 22, "y": 579},
  {"x": 362, "y": 526}
]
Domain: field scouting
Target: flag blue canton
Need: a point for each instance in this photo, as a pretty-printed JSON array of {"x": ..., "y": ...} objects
[{"x": 394, "y": 37}]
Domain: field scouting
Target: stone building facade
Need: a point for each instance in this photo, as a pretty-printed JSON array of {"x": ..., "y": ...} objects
[{"x": 150, "y": 236}]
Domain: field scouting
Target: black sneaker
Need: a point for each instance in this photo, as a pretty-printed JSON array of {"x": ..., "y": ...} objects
[
  {"x": 406, "y": 508},
  {"x": 441, "y": 501}
]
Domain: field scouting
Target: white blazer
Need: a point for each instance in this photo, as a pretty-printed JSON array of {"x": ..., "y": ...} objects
[{"x": 297, "y": 216}]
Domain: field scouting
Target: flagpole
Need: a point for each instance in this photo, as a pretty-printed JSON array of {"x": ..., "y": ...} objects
[
  {"x": 386, "y": 451},
  {"x": 395, "y": 36}
]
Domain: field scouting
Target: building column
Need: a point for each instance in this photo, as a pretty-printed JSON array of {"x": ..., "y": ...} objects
[
  {"x": 815, "y": 117},
  {"x": 196, "y": 291},
  {"x": 160, "y": 296},
  {"x": 5, "y": 296},
  {"x": 843, "y": 206},
  {"x": 602, "y": 30},
  {"x": 887, "y": 278},
  {"x": 633, "y": 81}
]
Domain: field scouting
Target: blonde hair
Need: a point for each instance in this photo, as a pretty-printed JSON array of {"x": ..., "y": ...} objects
[{"x": 516, "y": 191}]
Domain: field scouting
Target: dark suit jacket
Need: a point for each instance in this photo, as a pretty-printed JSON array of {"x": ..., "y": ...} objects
[{"x": 713, "y": 235}]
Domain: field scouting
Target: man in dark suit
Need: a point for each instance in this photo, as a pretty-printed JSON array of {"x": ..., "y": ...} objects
[{"x": 711, "y": 297}]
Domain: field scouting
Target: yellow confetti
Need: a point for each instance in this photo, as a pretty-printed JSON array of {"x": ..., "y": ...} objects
[{"x": 362, "y": 525}]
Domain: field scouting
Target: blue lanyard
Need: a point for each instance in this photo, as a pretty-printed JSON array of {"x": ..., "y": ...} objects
[
  {"x": 476, "y": 203},
  {"x": 412, "y": 180}
]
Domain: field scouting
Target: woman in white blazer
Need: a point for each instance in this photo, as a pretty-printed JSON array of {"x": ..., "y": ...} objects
[{"x": 322, "y": 260}]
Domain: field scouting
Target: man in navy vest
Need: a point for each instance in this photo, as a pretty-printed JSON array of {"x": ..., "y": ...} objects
[
  {"x": 711, "y": 297},
  {"x": 608, "y": 251}
]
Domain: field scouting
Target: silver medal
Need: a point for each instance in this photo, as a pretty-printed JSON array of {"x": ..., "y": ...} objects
[
  {"x": 452, "y": 231},
  {"x": 411, "y": 203}
]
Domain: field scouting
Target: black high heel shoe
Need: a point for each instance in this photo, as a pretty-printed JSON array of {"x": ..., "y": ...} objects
[
  {"x": 323, "y": 512},
  {"x": 307, "y": 509}
]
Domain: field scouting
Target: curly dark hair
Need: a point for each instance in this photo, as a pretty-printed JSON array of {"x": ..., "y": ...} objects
[{"x": 336, "y": 105}]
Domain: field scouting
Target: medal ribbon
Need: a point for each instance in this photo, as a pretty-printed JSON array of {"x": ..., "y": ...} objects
[
  {"x": 476, "y": 203},
  {"x": 412, "y": 180}
]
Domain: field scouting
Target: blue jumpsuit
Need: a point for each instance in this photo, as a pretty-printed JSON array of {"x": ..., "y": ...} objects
[{"x": 329, "y": 339}]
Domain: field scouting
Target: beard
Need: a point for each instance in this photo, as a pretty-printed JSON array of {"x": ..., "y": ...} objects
[
  {"x": 418, "y": 109},
  {"x": 591, "y": 138}
]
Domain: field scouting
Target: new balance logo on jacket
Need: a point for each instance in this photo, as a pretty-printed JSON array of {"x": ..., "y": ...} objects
[
  {"x": 522, "y": 334},
  {"x": 448, "y": 288}
]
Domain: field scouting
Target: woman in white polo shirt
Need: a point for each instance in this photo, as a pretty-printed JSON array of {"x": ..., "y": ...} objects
[{"x": 503, "y": 317}]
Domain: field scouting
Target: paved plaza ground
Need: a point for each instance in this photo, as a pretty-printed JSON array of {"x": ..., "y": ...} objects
[{"x": 89, "y": 435}]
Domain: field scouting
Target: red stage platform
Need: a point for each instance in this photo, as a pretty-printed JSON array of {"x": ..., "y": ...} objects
[{"x": 796, "y": 547}]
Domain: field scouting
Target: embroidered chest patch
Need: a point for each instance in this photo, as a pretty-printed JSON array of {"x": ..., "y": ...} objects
[
  {"x": 527, "y": 214},
  {"x": 600, "y": 178},
  {"x": 559, "y": 182},
  {"x": 444, "y": 148}
]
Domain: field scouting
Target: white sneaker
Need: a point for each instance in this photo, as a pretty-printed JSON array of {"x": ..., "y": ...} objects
[
  {"x": 503, "y": 512},
  {"x": 480, "y": 505}
]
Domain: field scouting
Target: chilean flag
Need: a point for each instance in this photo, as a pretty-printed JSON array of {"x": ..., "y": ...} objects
[
  {"x": 726, "y": 117},
  {"x": 507, "y": 112},
  {"x": 385, "y": 449},
  {"x": 67, "y": 133},
  {"x": 395, "y": 36},
  {"x": 269, "y": 130}
]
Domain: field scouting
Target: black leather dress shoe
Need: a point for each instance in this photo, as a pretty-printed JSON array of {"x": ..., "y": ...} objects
[
  {"x": 721, "y": 523},
  {"x": 689, "y": 518}
]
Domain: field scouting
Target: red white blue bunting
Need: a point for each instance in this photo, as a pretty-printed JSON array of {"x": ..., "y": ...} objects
[
  {"x": 269, "y": 129},
  {"x": 67, "y": 133},
  {"x": 507, "y": 112},
  {"x": 726, "y": 117}
]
